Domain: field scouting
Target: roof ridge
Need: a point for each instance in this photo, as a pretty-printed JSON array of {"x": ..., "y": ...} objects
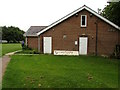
[
  {"x": 33, "y": 30},
  {"x": 38, "y": 26},
  {"x": 76, "y": 11}
]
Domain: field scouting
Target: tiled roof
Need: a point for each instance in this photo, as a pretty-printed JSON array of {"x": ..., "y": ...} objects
[{"x": 33, "y": 30}]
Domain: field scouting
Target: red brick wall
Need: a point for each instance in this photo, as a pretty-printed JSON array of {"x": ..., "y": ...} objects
[
  {"x": 72, "y": 29},
  {"x": 32, "y": 42},
  {"x": 107, "y": 40}
]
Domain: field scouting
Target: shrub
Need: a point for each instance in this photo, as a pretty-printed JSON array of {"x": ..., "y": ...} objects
[{"x": 26, "y": 48}]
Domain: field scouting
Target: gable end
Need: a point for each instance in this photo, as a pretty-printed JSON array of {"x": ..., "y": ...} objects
[{"x": 76, "y": 11}]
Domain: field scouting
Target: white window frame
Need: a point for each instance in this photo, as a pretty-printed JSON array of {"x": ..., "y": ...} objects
[{"x": 85, "y": 21}]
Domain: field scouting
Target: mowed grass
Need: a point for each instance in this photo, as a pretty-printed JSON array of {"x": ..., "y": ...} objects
[
  {"x": 48, "y": 71},
  {"x": 6, "y": 48}
]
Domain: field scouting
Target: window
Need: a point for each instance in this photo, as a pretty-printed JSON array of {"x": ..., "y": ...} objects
[{"x": 83, "y": 20}]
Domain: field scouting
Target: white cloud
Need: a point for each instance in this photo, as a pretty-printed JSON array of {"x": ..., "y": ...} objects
[{"x": 26, "y": 13}]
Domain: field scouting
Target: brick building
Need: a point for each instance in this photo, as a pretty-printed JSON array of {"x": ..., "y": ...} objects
[{"x": 83, "y": 31}]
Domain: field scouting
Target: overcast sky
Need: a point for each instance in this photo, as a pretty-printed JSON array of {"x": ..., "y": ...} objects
[{"x": 26, "y": 13}]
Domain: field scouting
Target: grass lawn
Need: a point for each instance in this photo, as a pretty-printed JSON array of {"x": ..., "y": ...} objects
[
  {"x": 48, "y": 71},
  {"x": 6, "y": 48}
]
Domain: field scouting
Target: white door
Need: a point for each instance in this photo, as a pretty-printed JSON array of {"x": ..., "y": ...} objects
[
  {"x": 83, "y": 45},
  {"x": 47, "y": 41}
]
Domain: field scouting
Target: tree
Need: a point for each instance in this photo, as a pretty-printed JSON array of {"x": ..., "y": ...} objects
[
  {"x": 112, "y": 12},
  {"x": 12, "y": 34}
]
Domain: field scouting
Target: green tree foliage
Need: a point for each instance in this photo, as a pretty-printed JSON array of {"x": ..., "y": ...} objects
[
  {"x": 112, "y": 12},
  {"x": 12, "y": 34}
]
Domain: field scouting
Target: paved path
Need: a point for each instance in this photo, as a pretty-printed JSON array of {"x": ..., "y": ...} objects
[
  {"x": 27, "y": 54},
  {"x": 5, "y": 60},
  {"x": 3, "y": 64},
  {"x": 11, "y": 53}
]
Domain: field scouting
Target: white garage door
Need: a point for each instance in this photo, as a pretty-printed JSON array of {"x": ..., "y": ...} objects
[
  {"x": 83, "y": 45},
  {"x": 47, "y": 41}
]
